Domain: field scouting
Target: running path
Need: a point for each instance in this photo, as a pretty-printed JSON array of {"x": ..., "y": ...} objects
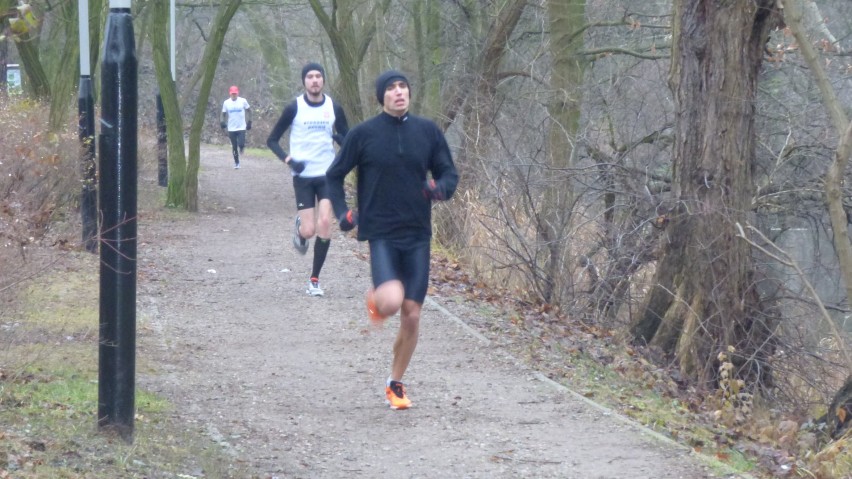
[{"x": 293, "y": 386}]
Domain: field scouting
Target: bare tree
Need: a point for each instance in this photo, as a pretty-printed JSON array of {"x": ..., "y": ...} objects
[
  {"x": 176, "y": 190},
  {"x": 567, "y": 22},
  {"x": 209, "y": 61},
  {"x": 794, "y": 15},
  {"x": 274, "y": 50},
  {"x": 64, "y": 79},
  {"x": 703, "y": 298},
  {"x": 351, "y": 31},
  {"x": 24, "y": 27}
]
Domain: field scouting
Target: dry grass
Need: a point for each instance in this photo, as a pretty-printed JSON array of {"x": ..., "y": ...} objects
[
  {"x": 490, "y": 256},
  {"x": 39, "y": 173},
  {"x": 49, "y": 327}
]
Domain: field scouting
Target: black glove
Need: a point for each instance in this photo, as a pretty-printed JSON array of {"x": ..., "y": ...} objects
[
  {"x": 296, "y": 165},
  {"x": 223, "y": 124},
  {"x": 434, "y": 191},
  {"x": 248, "y": 125},
  {"x": 348, "y": 220}
]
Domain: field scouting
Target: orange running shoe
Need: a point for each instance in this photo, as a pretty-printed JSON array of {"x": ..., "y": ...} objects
[
  {"x": 396, "y": 396},
  {"x": 372, "y": 310}
]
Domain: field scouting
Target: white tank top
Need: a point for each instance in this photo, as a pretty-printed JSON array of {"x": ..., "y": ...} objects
[{"x": 310, "y": 136}]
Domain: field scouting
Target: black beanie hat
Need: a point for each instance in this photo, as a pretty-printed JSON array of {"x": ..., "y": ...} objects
[
  {"x": 312, "y": 66},
  {"x": 386, "y": 79}
]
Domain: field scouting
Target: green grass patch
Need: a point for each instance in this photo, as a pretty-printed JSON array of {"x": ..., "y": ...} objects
[{"x": 49, "y": 396}]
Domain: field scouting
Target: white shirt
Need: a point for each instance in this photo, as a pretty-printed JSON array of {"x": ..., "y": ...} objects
[
  {"x": 311, "y": 136},
  {"x": 236, "y": 110}
]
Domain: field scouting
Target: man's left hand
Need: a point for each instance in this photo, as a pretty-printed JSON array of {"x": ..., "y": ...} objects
[
  {"x": 348, "y": 220},
  {"x": 248, "y": 125},
  {"x": 434, "y": 191}
]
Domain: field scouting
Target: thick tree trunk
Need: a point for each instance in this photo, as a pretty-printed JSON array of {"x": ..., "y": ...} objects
[
  {"x": 175, "y": 192},
  {"x": 36, "y": 83},
  {"x": 704, "y": 298},
  {"x": 569, "y": 66}
]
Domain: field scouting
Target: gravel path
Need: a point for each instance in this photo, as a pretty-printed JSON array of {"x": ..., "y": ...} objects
[{"x": 293, "y": 386}]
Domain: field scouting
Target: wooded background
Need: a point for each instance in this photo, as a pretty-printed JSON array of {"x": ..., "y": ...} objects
[{"x": 672, "y": 170}]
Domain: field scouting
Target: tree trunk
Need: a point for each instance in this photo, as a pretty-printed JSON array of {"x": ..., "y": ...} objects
[
  {"x": 36, "y": 83},
  {"x": 159, "y": 18},
  {"x": 703, "y": 299},
  {"x": 569, "y": 66},
  {"x": 274, "y": 49},
  {"x": 839, "y": 415},
  {"x": 23, "y": 27},
  {"x": 65, "y": 79},
  {"x": 4, "y": 55},
  {"x": 350, "y": 46},
  {"x": 426, "y": 21},
  {"x": 209, "y": 62}
]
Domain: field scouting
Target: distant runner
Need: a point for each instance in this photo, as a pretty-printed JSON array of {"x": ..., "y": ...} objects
[{"x": 236, "y": 119}]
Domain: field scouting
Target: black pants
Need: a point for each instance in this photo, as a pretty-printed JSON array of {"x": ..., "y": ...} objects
[{"x": 238, "y": 143}]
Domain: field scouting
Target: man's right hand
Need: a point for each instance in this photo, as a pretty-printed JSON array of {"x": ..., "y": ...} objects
[
  {"x": 223, "y": 124},
  {"x": 348, "y": 220},
  {"x": 296, "y": 165}
]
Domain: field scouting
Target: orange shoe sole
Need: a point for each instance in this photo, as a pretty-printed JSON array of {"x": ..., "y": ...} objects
[{"x": 395, "y": 402}]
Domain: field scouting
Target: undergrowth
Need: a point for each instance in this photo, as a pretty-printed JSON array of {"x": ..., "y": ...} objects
[
  {"x": 736, "y": 432},
  {"x": 49, "y": 330}
]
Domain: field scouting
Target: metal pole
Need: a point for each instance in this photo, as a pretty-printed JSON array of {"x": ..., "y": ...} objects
[
  {"x": 89, "y": 194},
  {"x": 162, "y": 145},
  {"x": 162, "y": 135},
  {"x": 118, "y": 195},
  {"x": 86, "y": 132}
]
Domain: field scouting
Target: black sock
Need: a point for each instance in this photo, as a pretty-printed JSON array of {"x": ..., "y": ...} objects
[{"x": 320, "y": 251}]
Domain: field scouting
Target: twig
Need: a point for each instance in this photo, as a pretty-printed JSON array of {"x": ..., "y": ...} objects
[{"x": 788, "y": 261}]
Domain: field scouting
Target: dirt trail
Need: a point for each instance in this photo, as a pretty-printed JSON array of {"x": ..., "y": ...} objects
[{"x": 293, "y": 385}]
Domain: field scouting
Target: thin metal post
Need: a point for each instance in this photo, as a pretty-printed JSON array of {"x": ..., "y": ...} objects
[
  {"x": 118, "y": 202},
  {"x": 162, "y": 145},
  {"x": 89, "y": 193},
  {"x": 86, "y": 132}
]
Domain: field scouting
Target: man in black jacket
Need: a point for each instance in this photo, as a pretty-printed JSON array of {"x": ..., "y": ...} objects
[{"x": 394, "y": 153}]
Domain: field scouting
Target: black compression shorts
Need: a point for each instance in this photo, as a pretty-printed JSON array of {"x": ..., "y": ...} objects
[
  {"x": 404, "y": 259},
  {"x": 309, "y": 191}
]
